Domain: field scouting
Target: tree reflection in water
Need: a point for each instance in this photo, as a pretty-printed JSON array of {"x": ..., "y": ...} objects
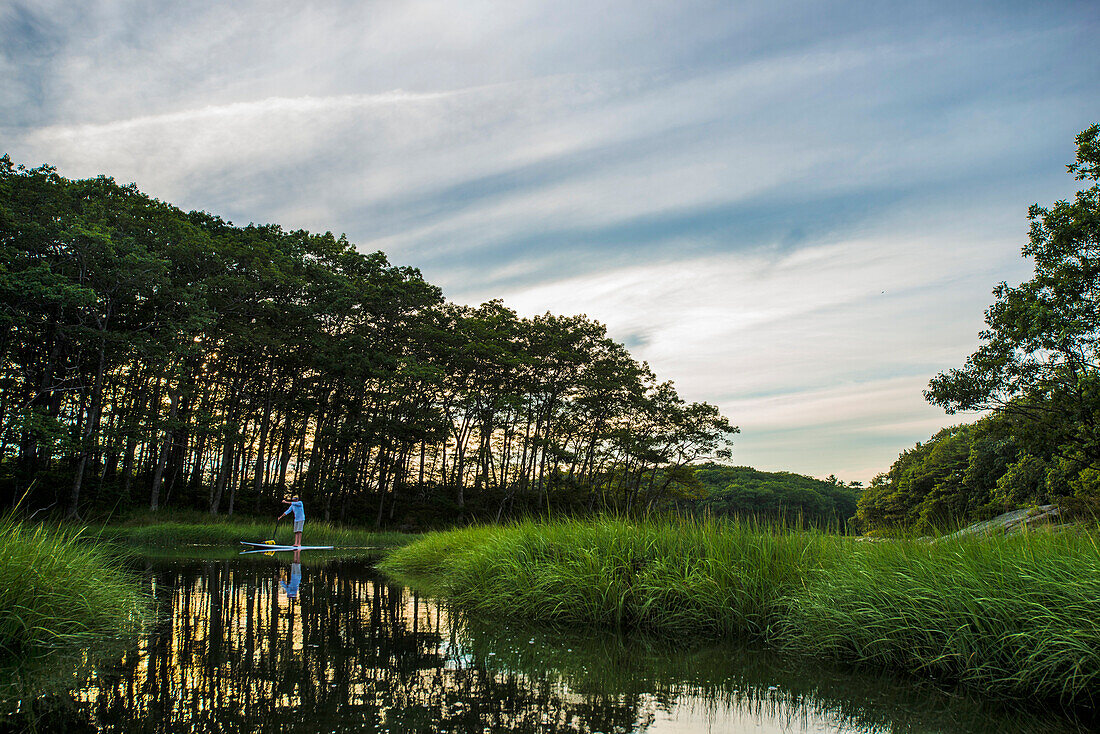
[{"x": 232, "y": 653}]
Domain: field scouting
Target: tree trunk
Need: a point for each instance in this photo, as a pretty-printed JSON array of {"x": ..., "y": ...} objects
[
  {"x": 165, "y": 449},
  {"x": 91, "y": 426},
  {"x": 224, "y": 471},
  {"x": 264, "y": 426}
]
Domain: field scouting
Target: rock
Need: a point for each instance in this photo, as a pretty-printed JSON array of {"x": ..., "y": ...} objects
[{"x": 1010, "y": 522}]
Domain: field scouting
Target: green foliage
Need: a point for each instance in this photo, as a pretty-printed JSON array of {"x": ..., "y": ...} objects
[
  {"x": 927, "y": 485},
  {"x": 60, "y": 589},
  {"x": 1036, "y": 371},
  {"x": 1038, "y": 361},
  {"x": 961, "y": 474},
  {"x": 1012, "y": 617},
  {"x": 745, "y": 492}
]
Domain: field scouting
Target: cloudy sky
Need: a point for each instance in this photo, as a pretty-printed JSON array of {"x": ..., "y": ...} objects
[{"x": 794, "y": 210}]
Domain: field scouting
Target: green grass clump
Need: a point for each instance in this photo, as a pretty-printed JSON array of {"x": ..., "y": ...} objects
[
  {"x": 57, "y": 589},
  {"x": 1012, "y": 615},
  {"x": 169, "y": 531},
  {"x": 665, "y": 576},
  {"x": 1015, "y": 617}
]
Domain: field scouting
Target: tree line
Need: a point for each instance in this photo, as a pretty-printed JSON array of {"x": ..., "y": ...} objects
[
  {"x": 1037, "y": 375},
  {"x": 152, "y": 357}
]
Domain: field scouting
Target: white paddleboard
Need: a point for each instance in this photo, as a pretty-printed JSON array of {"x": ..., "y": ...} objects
[{"x": 267, "y": 547}]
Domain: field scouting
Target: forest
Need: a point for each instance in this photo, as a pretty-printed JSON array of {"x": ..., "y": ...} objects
[{"x": 151, "y": 358}]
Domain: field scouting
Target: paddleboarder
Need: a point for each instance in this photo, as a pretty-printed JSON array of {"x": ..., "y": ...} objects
[{"x": 299, "y": 517}]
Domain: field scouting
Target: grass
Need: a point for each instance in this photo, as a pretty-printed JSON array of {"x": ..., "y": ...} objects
[
  {"x": 171, "y": 530},
  {"x": 673, "y": 577},
  {"x": 1014, "y": 617},
  {"x": 58, "y": 590}
]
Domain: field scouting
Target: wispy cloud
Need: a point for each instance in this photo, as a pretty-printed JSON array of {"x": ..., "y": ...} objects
[
  {"x": 794, "y": 210},
  {"x": 839, "y": 338}
]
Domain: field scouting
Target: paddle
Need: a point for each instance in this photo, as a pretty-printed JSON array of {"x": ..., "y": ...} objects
[{"x": 273, "y": 530}]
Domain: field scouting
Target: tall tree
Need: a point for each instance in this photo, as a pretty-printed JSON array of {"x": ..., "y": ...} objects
[{"x": 1041, "y": 348}]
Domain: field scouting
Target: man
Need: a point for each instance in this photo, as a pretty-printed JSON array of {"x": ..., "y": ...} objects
[{"x": 299, "y": 517}]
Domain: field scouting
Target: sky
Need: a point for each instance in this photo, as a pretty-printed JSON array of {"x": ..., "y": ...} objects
[{"x": 796, "y": 211}]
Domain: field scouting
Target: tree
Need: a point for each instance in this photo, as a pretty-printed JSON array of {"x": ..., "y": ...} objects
[{"x": 1038, "y": 361}]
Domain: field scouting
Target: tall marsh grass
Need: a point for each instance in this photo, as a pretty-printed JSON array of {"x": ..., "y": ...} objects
[
  {"x": 1014, "y": 617},
  {"x": 57, "y": 589},
  {"x": 676, "y": 576}
]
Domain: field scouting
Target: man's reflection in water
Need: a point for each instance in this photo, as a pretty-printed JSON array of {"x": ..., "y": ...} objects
[{"x": 291, "y": 587}]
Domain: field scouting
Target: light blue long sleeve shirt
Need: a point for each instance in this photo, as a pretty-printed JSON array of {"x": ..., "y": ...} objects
[{"x": 298, "y": 510}]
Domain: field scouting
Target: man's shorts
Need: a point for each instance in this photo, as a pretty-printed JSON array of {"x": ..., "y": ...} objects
[{"x": 298, "y": 526}]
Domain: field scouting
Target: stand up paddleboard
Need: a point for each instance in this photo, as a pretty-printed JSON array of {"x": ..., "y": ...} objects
[{"x": 267, "y": 547}]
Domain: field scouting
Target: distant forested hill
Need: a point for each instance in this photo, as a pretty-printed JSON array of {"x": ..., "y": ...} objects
[{"x": 744, "y": 491}]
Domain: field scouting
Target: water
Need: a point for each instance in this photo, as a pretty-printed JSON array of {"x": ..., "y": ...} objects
[{"x": 258, "y": 644}]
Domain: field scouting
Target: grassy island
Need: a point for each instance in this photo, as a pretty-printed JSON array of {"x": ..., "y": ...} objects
[{"x": 1014, "y": 617}]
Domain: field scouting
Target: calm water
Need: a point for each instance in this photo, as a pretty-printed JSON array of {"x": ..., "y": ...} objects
[{"x": 257, "y": 644}]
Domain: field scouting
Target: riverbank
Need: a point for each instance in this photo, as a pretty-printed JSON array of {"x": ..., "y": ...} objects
[
  {"x": 174, "y": 529},
  {"x": 1014, "y": 617},
  {"x": 58, "y": 590}
]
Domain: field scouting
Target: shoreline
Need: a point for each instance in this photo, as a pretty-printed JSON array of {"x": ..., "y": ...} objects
[{"x": 1014, "y": 618}]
